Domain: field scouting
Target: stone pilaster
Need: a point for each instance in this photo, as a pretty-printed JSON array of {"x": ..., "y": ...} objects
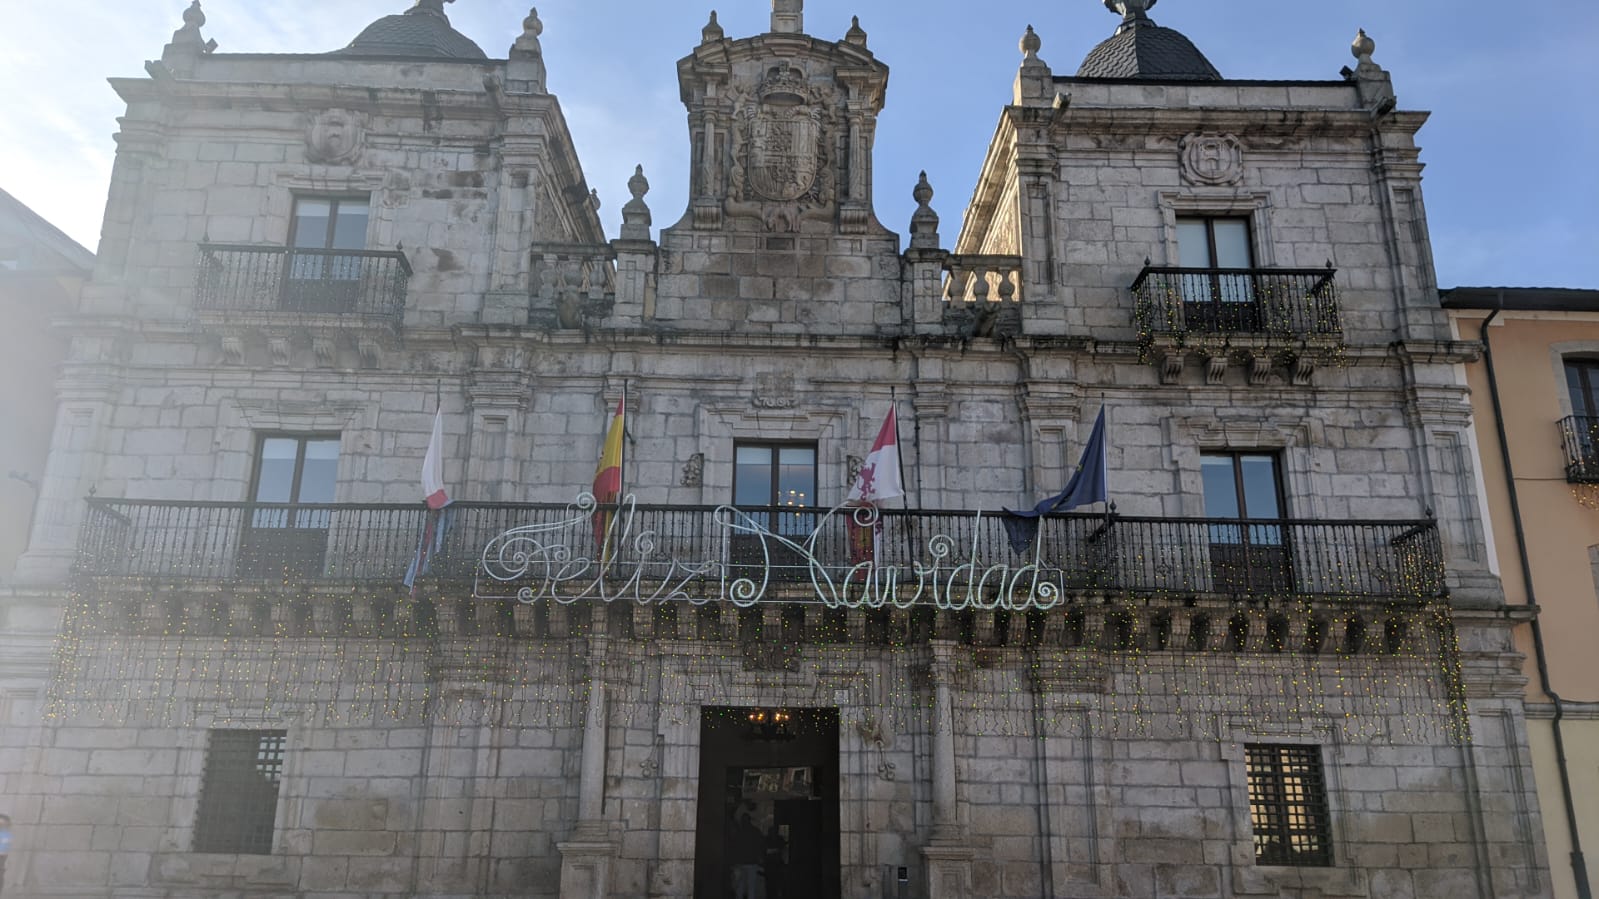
[
  {"x": 586, "y": 858},
  {"x": 947, "y": 856}
]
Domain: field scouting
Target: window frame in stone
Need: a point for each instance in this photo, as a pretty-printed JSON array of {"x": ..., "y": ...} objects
[
  {"x": 239, "y": 792},
  {"x": 1248, "y": 558},
  {"x": 1216, "y": 296},
  {"x": 280, "y": 536},
  {"x": 750, "y": 554},
  {"x": 1290, "y": 819},
  {"x": 330, "y": 235}
]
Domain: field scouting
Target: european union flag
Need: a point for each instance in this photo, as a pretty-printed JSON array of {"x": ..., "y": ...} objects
[{"x": 1086, "y": 486}]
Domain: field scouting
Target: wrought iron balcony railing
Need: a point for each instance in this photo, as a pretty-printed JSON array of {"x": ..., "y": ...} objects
[
  {"x": 243, "y": 278},
  {"x": 1297, "y": 303},
  {"x": 948, "y": 559},
  {"x": 1579, "y": 434}
]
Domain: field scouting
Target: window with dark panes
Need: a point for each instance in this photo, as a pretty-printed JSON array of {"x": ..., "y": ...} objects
[
  {"x": 1288, "y": 811},
  {"x": 781, "y": 475},
  {"x": 1581, "y": 431},
  {"x": 1221, "y": 296},
  {"x": 292, "y": 492},
  {"x": 1245, "y": 557},
  {"x": 320, "y": 278},
  {"x": 239, "y": 792}
]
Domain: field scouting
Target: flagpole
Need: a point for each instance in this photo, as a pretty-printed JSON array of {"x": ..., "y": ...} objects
[{"x": 893, "y": 406}]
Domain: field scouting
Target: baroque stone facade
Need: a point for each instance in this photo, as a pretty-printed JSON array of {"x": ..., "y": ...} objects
[{"x": 306, "y": 258}]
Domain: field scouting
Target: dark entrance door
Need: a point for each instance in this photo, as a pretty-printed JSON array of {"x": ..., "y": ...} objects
[{"x": 768, "y": 805}]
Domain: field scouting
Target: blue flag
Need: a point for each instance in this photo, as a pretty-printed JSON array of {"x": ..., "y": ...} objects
[{"x": 1086, "y": 486}]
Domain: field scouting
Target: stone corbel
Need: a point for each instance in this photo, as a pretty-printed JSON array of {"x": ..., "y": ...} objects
[
  {"x": 282, "y": 350},
  {"x": 1171, "y": 366},
  {"x": 371, "y": 352},
  {"x": 1216, "y": 370},
  {"x": 233, "y": 350},
  {"x": 326, "y": 350},
  {"x": 1301, "y": 371},
  {"x": 1259, "y": 368}
]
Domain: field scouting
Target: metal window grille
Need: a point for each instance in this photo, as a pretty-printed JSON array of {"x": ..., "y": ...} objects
[
  {"x": 239, "y": 792},
  {"x": 1288, "y": 805}
]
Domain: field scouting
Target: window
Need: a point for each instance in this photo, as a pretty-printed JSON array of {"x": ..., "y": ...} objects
[
  {"x": 1581, "y": 430},
  {"x": 1245, "y": 558},
  {"x": 1288, "y": 805},
  {"x": 768, "y": 474},
  {"x": 1221, "y": 297},
  {"x": 239, "y": 792},
  {"x": 287, "y": 531},
  {"x": 773, "y": 475},
  {"x": 320, "y": 278}
]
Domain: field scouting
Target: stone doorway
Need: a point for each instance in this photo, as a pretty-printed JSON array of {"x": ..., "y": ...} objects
[{"x": 768, "y": 823}]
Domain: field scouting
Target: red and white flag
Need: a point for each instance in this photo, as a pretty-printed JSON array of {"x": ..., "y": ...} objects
[
  {"x": 433, "y": 492},
  {"x": 879, "y": 477}
]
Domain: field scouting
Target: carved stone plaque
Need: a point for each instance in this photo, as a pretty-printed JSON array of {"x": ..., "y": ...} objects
[
  {"x": 335, "y": 137},
  {"x": 1212, "y": 159}
]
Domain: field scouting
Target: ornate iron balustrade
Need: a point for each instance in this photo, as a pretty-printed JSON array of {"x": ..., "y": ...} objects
[
  {"x": 1579, "y": 434},
  {"x": 950, "y": 560},
  {"x": 1297, "y": 303},
  {"x": 243, "y": 278}
]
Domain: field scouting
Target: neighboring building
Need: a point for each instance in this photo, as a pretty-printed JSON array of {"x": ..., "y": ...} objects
[
  {"x": 41, "y": 271},
  {"x": 1242, "y": 680},
  {"x": 1535, "y": 398}
]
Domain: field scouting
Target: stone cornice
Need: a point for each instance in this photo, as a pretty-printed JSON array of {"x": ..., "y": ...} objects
[{"x": 1258, "y": 122}]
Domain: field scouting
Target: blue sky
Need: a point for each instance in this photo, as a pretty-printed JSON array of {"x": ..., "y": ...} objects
[{"x": 1512, "y": 150}]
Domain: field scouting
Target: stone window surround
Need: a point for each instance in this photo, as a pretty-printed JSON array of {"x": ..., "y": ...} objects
[
  {"x": 1338, "y": 879},
  {"x": 1255, "y": 205},
  {"x": 1187, "y": 438},
  {"x": 241, "y": 422},
  {"x": 193, "y": 745},
  {"x": 830, "y": 430},
  {"x": 290, "y": 185}
]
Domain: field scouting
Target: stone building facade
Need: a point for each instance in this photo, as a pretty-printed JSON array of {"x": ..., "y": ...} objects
[{"x": 1279, "y": 665}]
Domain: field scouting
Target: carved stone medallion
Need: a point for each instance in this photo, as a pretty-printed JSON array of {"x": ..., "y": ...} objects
[
  {"x": 774, "y": 390},
  {"x": 335, "y": 137},
  {"x": 1212, "y": 159}
]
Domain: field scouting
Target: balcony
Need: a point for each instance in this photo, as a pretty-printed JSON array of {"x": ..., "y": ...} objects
[
  {"x": 1579, "y": 434},
  {"x": 1175, "y": 304},
  {"x": 982, "y": 295},
  {"x": 946, "y": 560},
  {"x": 236, "y": 278}
]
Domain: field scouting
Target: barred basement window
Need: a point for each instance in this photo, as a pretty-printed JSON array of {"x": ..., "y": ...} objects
[
  {"x": 239, "y": 793},
  {"x": 1288, "y": 805}
]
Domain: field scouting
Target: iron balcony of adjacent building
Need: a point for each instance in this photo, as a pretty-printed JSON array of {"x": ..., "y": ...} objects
[
  {"x": 293, "y": 281},
  {"x": 792, "y": 554},
  {"x": 1579, "y": 434}
]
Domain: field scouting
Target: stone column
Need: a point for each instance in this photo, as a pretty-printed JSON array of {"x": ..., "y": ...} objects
[
  {"x": 947, "y": 855},
  {"x": 586, "y": 857}
]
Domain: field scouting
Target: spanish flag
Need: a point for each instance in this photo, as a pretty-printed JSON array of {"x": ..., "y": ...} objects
[{"x": 608, "y": 476}]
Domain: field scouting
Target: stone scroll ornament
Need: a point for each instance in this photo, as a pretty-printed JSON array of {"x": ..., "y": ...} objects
[
  {"x": 335, "y": 137},
  {"x": 1212, "y": 159},
  {"x": 780, "y": 170}
]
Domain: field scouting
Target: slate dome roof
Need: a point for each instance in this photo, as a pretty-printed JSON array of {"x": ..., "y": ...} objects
[
  {"x": 1142, "y": 49},
  {"x": 421, "y": 32}
]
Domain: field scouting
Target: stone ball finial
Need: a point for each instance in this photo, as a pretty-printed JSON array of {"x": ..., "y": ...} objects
[
  {"x": 594, "y": 199},
  {"x": 1030, "y": 44},
  {"x": 532, "y": 26},
  {"x": 638, "y": 185},
  {"x": 193, "y": 17},
  {"x": 856, "y": 34},
  {"x": 923, "y": 192},
  {"x": 1363, "y": 46},
  {"x": 712, "y": 30}
]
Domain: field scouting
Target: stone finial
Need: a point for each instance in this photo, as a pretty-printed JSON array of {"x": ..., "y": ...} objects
[
  {"x": 636, "y": 213},
  {"x": 1131, "y": 10},
  {"x": 924, "y": 221},
  {"x": 712, "y": 32},
  {"x": 1362, "y": 47},
  {"x": 856, "y": 34},
  {"x": 187, "y": 44},
  {"x": 594, "y": 199},
  {"x": 1030, "y": 44},
  {"x": 788, "y": 16},
  {"x": 429, "y": 6},
  {"x": 526, "y": 68}
]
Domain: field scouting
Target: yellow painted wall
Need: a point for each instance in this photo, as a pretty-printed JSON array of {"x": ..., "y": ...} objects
[{"x": 1561, "y": 522}]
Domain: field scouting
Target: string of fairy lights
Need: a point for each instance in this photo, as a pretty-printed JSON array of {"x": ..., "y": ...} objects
[{"x": 1377, "y": 673}]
